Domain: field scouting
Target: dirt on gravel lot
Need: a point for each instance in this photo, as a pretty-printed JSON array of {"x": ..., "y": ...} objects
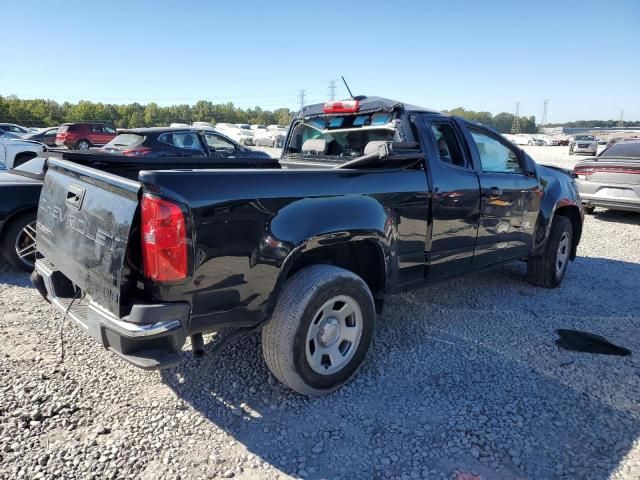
[{"x": 463, "y": 381}]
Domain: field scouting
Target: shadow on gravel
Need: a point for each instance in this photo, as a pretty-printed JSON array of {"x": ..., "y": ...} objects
[
  {"x": 12, "y": 276},
  {"x": 463, "y": 376},
  {"x": 618, "y": 216}
]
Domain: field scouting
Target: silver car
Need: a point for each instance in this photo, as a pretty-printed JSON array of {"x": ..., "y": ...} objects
[
  {"x": 583, "y": 144},
  {"x": 612, "y": 179}
]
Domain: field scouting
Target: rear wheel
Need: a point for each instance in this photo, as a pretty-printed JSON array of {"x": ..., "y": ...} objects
[
  {"x": 83, "y": 145},
  {"x": 589, "y": 210},
  {"x": 19, "y": 242},
  {"x": 320, "y": 330},
  {"x": 548, "y": 269}
]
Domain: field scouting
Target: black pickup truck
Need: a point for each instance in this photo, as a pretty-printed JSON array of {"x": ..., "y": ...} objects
[{"x": 371, "y": 197}]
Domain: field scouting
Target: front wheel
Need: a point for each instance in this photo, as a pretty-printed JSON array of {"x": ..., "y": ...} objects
[
  {"x": 548, "y": 269},
  {"x": 320, "y": 330}
]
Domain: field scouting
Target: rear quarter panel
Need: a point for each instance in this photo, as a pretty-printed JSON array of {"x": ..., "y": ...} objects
[{"x": 248, "y": 226}]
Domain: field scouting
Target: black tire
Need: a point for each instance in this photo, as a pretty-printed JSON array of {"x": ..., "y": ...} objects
[
  {"x": 82, "y": 144},
  {"x": 10, "y": 238},
  {"x": 589, "y": 210},
  {"x": 23, "y": 158},
  {"x": 542, "y": 269},
  {"x": 285, "y": 337}
]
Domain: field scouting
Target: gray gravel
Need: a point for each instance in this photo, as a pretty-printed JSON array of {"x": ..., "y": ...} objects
[{"x": 463, "y": 381}]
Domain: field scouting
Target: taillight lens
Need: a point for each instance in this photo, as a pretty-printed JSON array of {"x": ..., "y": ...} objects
[
  {"x": 583, "y": 170},
  {"x": 343, "y": 106},
  {"x": 164, "y": 240},
  {"x": 137, "y": 152}
]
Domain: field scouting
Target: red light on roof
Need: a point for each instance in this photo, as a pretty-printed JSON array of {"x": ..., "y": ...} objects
[{"x": 342, "y": 106}]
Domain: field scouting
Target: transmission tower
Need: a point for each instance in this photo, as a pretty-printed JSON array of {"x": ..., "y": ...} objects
[
  {"x": 332, "y": 90},
  {"x": 544, "y": 115},
  {"x": 515, "y": 128},
  {"x": 621, "y": 121},
  {"x": 301, "y": 94}
]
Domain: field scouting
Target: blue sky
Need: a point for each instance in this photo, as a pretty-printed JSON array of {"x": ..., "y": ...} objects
[{"x": 483, "y": 55}]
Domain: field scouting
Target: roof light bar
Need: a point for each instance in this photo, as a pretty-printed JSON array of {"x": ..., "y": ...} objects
[{"x": 342, "y": 106}]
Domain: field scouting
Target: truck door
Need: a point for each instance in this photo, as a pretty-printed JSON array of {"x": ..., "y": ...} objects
[
  {"x": 510, "y": 198},
  {"x": 455, "y": 199}
]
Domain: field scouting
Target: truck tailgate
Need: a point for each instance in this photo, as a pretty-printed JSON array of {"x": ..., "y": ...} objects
[{"x": 84, "y": 219}]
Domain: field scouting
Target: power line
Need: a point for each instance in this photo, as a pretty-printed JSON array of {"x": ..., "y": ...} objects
[
  {"x": 515, "y": 127},
  {"x": 332, "y": 90},
  {"x": 301, "y": 94}
]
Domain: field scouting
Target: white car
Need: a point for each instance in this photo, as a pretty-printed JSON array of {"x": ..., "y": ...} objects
[
  {"x": 241, "y": 133},
  {"x": 202, "y": 126},
  {"x": 547, "y": 140},
  {"x": 583, "y": 144},
  {"x": 13, "y": 128},
  {"x": 15, "y": 151}
]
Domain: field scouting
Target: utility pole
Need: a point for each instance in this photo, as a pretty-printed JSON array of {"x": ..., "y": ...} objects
[
  {"x": 332, "y": 90},
  {"x": 301, "y": 94},
  {"x": 515, "y": 127},
  {"x": 544, "y": 115},
  {"x": 621, "y": 122}
]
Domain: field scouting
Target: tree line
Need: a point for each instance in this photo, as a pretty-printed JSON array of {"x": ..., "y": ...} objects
[{"x": 41, "y": 113}]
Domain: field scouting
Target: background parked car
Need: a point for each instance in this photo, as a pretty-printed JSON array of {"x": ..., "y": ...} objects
[
  {"x": 46, "y": 136},
  {"x": 20, "y": 191},
  {"x": 583, "y": 144},
  {"x": 16, "y": 151},
  {"x": 525, "y": 139},
  {"x": 13, "y": 128},
  {"x": 84, "y": 135},
  {"x": 176, "y": 142},
  {"x": 612, "y": 179}
]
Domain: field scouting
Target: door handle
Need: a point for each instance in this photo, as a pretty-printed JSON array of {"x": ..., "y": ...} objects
[{"x": 493, "y": 192}]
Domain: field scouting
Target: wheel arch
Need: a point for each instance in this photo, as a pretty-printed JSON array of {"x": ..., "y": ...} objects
[
  {"x": 14, "y": 216},
  {"x": 363, "y": 253}
]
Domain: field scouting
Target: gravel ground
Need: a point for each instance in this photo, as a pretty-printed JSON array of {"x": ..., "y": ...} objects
[{"x": 463, "y": 381}]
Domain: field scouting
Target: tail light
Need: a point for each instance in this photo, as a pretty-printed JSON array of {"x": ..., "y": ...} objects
[
  {"x": 137, "y": 152},
  {"x": 583, "y": 170},
  {"x": 164, "y": 240},
  {"x": 343, "y": 106}
]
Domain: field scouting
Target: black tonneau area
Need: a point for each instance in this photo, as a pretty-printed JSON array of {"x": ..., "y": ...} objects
[
  {"x": 129, "y": 167},
  {"x": 84, "y": 218}
]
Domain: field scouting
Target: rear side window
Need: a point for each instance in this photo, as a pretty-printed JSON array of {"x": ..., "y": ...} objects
[
  {"x": 188, "y": 140},
  {"x": 447, "y": 144},
  {"x": 494, "y": 155},
  {"x": 73, "y": 128}
]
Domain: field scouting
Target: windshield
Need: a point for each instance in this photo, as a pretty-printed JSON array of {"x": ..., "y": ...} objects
[
  {"x": 585, "y": 137},
  {"x": 623, "y": 149},
  {"x": 341, "y": 137},
  {"x": 125, "y": 140}
]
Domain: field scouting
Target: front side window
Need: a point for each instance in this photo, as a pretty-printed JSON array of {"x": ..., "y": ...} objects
[
  {"x": 108, "y": 129},
  {"x": 219, "y": 143},
  {"x": 494, "y": 155},
  {"x": 447, "y": 144}
]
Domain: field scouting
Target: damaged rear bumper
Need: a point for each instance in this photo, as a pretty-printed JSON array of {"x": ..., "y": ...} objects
[{"x": 150, "y": 337}]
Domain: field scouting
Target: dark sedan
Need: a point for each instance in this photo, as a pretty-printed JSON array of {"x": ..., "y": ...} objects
[
  {"x": 46, "y": 136},
  {"x": 20, "y": 191},
  {"x": 177, "y": 142},
  {"x": 612, "y": 179}
]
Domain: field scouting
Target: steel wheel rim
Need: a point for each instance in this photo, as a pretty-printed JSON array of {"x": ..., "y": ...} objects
[
  {"x": 26, "y": 245},
  {"x": 564, "y": 250},
  {"x": 334, "y": 335},
  {"x": 83, "y": 146}
]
